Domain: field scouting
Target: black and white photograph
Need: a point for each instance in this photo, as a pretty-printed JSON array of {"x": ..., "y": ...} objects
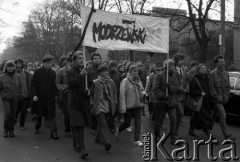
[{"x": 119, "y": 80}]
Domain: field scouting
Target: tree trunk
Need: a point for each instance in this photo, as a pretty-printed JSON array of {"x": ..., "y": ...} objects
[{"x": 203, "y": 52}]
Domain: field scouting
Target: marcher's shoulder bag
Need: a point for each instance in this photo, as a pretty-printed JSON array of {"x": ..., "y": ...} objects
[{"x": 194, "y": 103}]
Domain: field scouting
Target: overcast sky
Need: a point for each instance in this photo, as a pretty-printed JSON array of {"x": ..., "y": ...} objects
[
  {"x": 19, "y": 13},
  {"x": 13, "y": 16}
]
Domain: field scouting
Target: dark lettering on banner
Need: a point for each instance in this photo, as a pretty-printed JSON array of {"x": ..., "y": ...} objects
[{"x": 117, "y": 32}]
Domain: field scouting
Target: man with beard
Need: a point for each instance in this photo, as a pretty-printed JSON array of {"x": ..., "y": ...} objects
[
  {"x": 10, "y": 91},
  {"x": 96, "y": 61},
  {"x": 44, "y": 91},
  {"x": 23, "y": 102},
  {"x": 166, "y": 102},
  {"x": 78, "y": 101}
]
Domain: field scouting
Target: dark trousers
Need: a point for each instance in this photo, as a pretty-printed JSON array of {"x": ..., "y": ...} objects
[
  {"x": 22, "y": 109},
  {"x": 78, "y": 138},
  {"x": 65, "y": 112},
  {"x": 152, "y": 111},
  {"x": 161, "y": 110},
  {"x": 102, "y": 127},
  {"x": 134, "y": 113},
  {"x": 179, "y": 114},
  {"x": 52, "y": 120},
  {"x": 191, "y": 128},
  {"x": 10, "y": 111}
]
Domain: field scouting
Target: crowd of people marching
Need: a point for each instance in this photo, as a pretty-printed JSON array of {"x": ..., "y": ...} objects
[{"x": 97, "y": 94}]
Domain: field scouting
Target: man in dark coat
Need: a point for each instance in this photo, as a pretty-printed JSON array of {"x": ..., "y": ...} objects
[
  {"x": 79, "y": 101},
  {"x": 44, "y": 91}
]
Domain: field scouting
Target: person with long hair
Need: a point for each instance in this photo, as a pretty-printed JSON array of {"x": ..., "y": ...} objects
[
  {"x": 199, "y": 86},
  {"x": 11, "y": 91}
]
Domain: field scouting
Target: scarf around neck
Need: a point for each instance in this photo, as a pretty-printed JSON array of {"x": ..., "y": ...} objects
[
  {"x": 105, "y": 87},
  {"x": 135, "y": 81}
]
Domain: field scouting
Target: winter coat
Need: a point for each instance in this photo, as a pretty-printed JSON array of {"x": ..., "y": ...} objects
[
  {"x": 98, "y": 95},
  {"x": 10, "y": 86},
  {"x": 219, "y": 86},
  {"x": 28, "y": 82},
  {"x": 130, "y": 95},
  {"x": 202, "y": 119},
  {"x": 44, "y": 87},
  {"x": 159, "y": 89},
  {"x": 78, "y": 100}
]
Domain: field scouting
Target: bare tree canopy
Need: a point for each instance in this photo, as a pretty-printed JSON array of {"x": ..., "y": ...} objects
[{"x": 55, "y": 26}]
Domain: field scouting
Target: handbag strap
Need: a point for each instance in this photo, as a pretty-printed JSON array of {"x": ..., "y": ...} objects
[{"x": 199, "y": 84}]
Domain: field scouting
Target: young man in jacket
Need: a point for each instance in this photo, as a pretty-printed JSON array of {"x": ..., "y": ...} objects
[
  {"x": 23, "y": 102},
  {"x": 219, "y": 90},
  {"x": 62, "y": 85},
  {"x": 181, "y": 75},
  {"x": 165, "y": 99},
  {"x": 105, "y": 100}
]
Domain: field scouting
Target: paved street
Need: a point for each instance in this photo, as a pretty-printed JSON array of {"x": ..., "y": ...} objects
[{"x": 28, "y": 147}]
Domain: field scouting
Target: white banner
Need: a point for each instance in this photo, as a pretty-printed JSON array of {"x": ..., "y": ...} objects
[{"x": 125, "y": 32}]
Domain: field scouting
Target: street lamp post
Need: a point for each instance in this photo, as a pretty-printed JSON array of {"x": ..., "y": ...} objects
[{"x": 222, "y": 30}]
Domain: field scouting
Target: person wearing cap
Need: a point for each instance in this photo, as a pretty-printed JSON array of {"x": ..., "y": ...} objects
[
  {"x": 165, "y": 100},
  {"x": 23, "y": 102},
  {"x": 62, "y": 85},
  {"x": 79, "y": 101},
  {"x": 44, "y": 91},
  {"x": 10, "y": 92},
  {"x": 131, "y": 103},
  {"x": 105, "y": 100}
]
